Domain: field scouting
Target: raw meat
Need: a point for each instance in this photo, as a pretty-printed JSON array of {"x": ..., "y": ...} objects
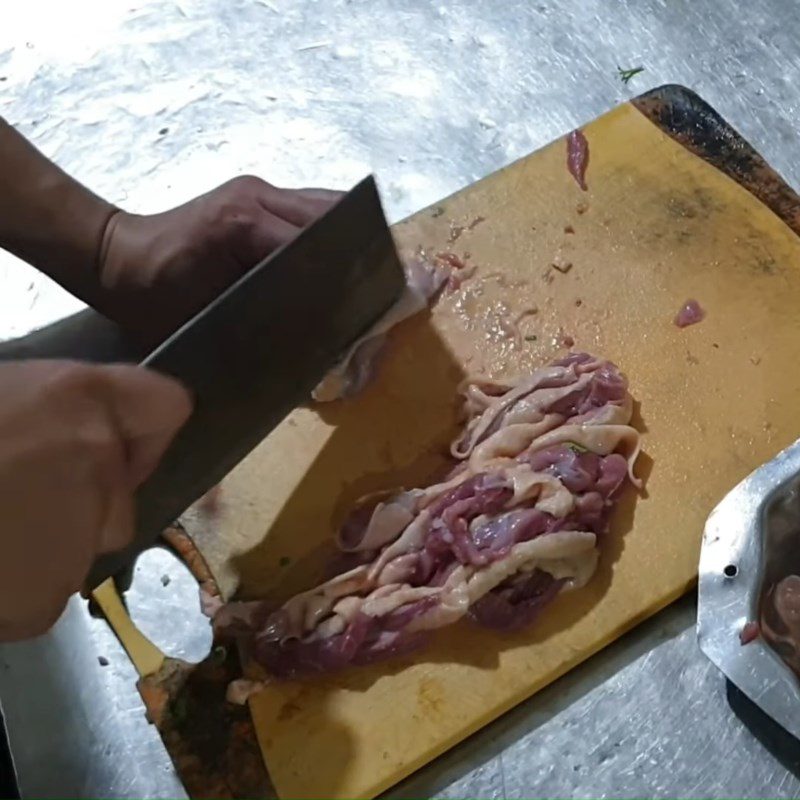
[
  {"x": 749, "y": 633},
  {"x": 424, "y": 279},
  {"x": 518, "y": 519},
  {"x": 578, "y": 157},
  {"x": 690, "y": 314},
  {"x": 780, "y": 620}
]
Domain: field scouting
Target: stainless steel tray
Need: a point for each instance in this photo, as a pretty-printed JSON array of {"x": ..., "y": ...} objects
[{"x": 751, "y": 540}]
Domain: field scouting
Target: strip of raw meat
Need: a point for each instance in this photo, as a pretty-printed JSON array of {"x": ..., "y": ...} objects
[
  {"x": 423, "y": 280},
  {"x": 578, "y": 157}
]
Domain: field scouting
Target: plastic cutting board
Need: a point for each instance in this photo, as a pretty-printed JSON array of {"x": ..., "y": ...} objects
[{"x": 658, "y": 225}]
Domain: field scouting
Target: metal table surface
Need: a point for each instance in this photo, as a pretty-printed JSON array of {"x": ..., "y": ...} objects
[{"x": 153, "y": 101}]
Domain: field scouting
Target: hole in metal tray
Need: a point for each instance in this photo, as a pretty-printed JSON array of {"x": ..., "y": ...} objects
[{"x": 731, "y": 571}]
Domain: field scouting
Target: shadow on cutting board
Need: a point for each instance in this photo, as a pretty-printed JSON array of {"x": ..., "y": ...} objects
[
  {"x": 776, "y": 739},
  {"x": 395, "y": 432}
]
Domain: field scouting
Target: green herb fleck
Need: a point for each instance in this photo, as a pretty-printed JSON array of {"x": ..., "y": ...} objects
[
  {"x": 438, "y": 211},
  {"x": 626, "y": 74},
  {"x": 531, "y": 337},
  {"x": 220, "y": 654},
  {"x": 577, "y": 448},
  {"x": 284, "y": 561}
]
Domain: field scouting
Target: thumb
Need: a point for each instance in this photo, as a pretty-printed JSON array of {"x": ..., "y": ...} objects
[{"x": 149, "y": 409}]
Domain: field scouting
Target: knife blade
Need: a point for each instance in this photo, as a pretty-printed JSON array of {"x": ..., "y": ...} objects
[{"x": 258, "y": 350}]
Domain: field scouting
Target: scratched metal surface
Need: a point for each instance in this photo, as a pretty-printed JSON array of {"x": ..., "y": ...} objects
[
  {"x": 153, "y": 102},
  {"x": 749, "y": 545}
]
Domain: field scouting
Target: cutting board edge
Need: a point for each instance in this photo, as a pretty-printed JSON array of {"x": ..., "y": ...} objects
[
  {"x": 703, "y": 131},
  {"x": 520, "y": 697}
]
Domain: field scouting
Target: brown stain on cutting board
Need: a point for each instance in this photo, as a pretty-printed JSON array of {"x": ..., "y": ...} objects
[
  {"x": 429, "y": 696},
  {"x": 657, "y": 226}
]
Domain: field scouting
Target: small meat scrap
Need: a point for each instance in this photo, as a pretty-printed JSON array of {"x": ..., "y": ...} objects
[
  {"x": 457, "y": 267},
  {"x": 578, "y": 157},
  {"x": 451, "y": 259},
  {"x": 750, "y": 631},
  {"x": 242, "y": 689},
  {"x": 455, "y": 232},
  {"x": 690, "y": 314},
  {"x": 209, "y": 603},
  {"x": 562, "y": 266}
]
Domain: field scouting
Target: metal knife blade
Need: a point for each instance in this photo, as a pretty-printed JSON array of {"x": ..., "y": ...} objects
[{"x": 258, "y": 350}]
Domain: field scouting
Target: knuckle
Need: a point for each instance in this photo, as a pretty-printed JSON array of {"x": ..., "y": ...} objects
[
  {"x": 233, "y": 211},
  {"x": 245, "y": 185},
  {"x": 234, "y": 218},
  {"x": 99, "y": 446},
  {"x": 70, "y": 380},
  {"x": 76, "y": 394}
]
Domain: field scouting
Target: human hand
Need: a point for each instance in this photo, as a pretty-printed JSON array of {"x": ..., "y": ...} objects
[
  {"x": 158, "y": 270},
  {"x": 75, "y": 442}
]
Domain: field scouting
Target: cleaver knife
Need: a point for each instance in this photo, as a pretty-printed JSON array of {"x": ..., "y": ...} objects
[{"x": 257, "y": 351}]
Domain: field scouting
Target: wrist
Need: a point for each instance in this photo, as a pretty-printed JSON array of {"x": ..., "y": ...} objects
[
  {"x": 129, "y": 273},
  {"x": 74, "y": 225},
  {"x": 48, "y": 219}
]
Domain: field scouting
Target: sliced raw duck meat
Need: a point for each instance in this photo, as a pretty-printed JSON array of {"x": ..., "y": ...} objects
[
  {"x": 578, "y": 157},
  {"x": 691, "y": 312},
  {"x": 518, "y": 519},
  {"x": 424, "y": 279},
  {"x": 780, "y": 620}
]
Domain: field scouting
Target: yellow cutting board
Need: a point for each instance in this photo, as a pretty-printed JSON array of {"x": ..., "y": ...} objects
[{"x": 657, "y": 226}]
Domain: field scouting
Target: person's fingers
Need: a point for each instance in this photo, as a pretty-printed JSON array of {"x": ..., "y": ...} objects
[
  {"x": 297, "y": 206},
  {"x": 325, "y": 198},
  {"x": 41, "y": 611},
  {"x": 73, "y": 396},
  {"x": 287, "y": 205},
  {"x": 266, "y": 217},
  {"x": 117, "y": 529},
  {"x": 149, "y": 409},
  {"x": 266, "y": 233}
]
